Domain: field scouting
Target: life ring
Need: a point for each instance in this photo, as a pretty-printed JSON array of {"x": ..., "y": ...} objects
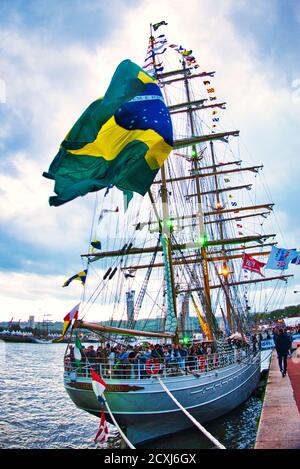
[
  {"x": 152, "y": 366},
  {"x": 202, "y": 362},
  {"x": 216, "y": 361}
]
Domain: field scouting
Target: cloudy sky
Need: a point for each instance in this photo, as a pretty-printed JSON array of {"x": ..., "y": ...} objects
[{"x": 57, "y": 56}]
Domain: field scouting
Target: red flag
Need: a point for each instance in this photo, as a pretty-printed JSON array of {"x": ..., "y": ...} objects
[
  {"x": 73, "y": 314},
  {"x": 98, "y": 384},
  {"x": 249, "y": 263},
  {"x": 102, "y": 433}
]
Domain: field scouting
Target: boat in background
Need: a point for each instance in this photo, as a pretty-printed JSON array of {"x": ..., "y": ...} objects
[
  {"x": 8, "y": 336},
  {"x": 23, "y": 337}
]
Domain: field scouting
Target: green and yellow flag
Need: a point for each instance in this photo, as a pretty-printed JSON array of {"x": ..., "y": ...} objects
[{"x": 121, "y": 139}]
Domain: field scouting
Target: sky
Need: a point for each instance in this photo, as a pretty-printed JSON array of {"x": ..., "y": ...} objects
[{"x": 56, "y": 57}]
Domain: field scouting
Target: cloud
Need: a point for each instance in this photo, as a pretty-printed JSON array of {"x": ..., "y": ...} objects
[
  {"x": 57, "y": 60},
  {"x": 26, "y": 294}
]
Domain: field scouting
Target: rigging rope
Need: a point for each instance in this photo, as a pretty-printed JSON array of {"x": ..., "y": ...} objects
[
  {"x": 141, "y": 295},
  {"x": 192, "y": 419},
  {"x": 119, "y": 429}
]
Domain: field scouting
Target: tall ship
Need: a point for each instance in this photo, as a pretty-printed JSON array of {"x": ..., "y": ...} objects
[{"x": 168, "y": 279}]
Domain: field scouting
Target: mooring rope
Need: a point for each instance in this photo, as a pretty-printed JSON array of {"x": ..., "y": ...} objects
[
  {"x": 266, "y": 358},
  {"x": 195, "y": 422},
  {"x": 119, "y": 429}
]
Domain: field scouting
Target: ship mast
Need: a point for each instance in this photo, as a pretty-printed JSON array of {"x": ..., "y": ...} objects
[
  {"x": 202, "y": 235},
  {"x": 225, "y": 270},
  {"x": 165, "y": 228},
  {"x": 203, "y": 251}
]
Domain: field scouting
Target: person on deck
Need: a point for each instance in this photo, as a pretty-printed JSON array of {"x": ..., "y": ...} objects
[
  {"x": 124, "y": 363},
  {"x": 282, "y": 345}
]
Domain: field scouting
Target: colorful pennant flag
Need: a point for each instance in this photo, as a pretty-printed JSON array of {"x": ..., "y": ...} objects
[
  {"x": 73, "y": 314},
  {"x": 129, "y": 274},
  {"x": 80, "y": 276},
  {"x": 157, "y": 25},
  {"x": 249, "y": 263},
  {"x": 186, "y": 53},
  {"x": 106, "y": 210},
  {"x": 160, "y": 41},
  {"x": 150, "y": 56},
  {"x": 158, "y": 47},
  {"x": 77, "y": 350},
  {"x": 99, "y": 386},
  {"x": 280, "y": 258},
  {"x": 102, "y": 433},
  {"x": 96, "y": 244},
  {"x": 163, "y": 51},
  {"x": 296, "y": 259},
  {"x": 190, "y": 59},
  {"x": 150, "y": 64}
]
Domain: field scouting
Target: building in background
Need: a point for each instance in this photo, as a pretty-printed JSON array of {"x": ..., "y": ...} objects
[{"x": 31, "y": 322}]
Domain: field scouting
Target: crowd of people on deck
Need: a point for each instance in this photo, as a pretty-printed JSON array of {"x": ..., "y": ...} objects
[{"x": 145, "y": 359}]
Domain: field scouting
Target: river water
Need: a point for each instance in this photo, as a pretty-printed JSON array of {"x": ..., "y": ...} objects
[{"x": 36, "y": 412}]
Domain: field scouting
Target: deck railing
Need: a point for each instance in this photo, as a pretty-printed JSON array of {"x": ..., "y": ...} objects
[{"x": 139, "y": 369}]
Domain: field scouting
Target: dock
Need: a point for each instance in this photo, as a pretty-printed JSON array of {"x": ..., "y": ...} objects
[{"x": 279, "y": 426}]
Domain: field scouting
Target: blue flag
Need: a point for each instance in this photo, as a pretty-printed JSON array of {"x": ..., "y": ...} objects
[
  {"x": 296, "y": 259},
  {"x": 80, "y": 276},
  {"x": 280, "y": 258}
]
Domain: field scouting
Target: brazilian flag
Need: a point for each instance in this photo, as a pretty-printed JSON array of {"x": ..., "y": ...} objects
[{"x": 121, "y": 139}]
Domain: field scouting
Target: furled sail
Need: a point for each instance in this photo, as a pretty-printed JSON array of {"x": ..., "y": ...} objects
[{"x": 171, "y": 320}]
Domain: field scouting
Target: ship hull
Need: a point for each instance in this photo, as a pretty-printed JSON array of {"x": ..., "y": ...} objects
[
  {"x": 146, "y": 412},
  {"x": 17, "y": 339}
]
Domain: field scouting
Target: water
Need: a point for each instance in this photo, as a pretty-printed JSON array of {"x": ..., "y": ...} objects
[{"x": 36, "y": 412}]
